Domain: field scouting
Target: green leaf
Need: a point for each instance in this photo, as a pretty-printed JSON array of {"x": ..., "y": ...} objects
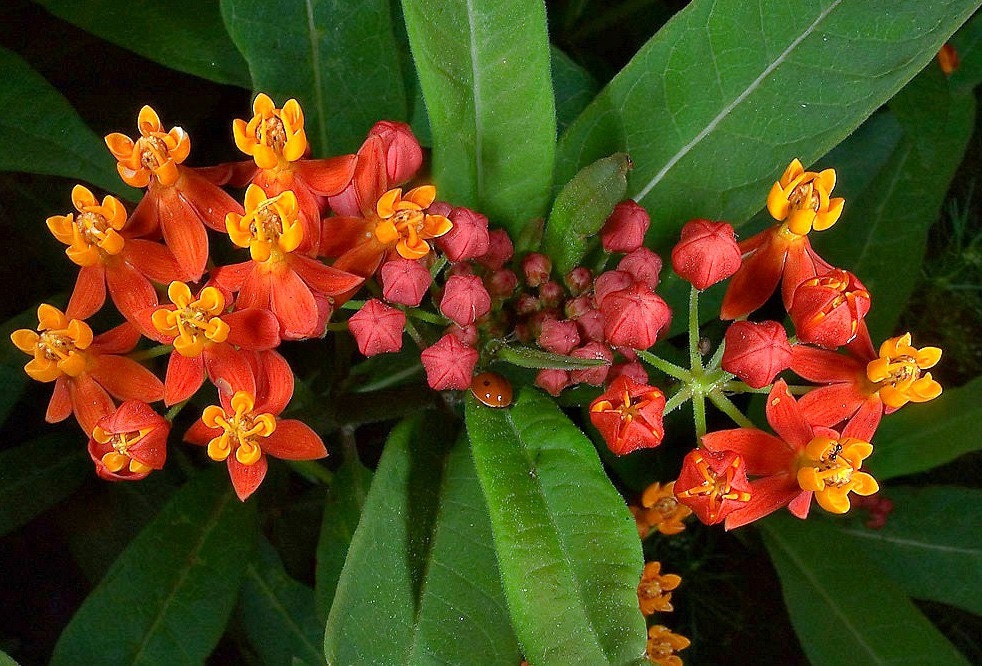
[
  {"x": 484, "y": 69},
  {"x": 931, "y": 544},
  {"x": 167, "y": 598},
  {"x": 581, "y": 209},
  {"x": 38, "y": 475},
  {"x": 573, "y": 87},
  {"x": 920, "y": 437},
  {"x": 421, "y": 584},
  {"x": 844, "y": 610},
  {"x": 278, "y": 612},
  {"x": 40, "y": 132},
  {"x": 567, "y": 546},
  {"x": 6, "y": 659},
  {"x": 968, "y": 44},
  {"x": 338, "y": 58},
  {"x": 885, "y": 227},
  {"x": 529, "y": 357},
  {"x": 341, "y": 514},
  {"x": 188, "y": 36},
  {"x": 717, "y": 103}
]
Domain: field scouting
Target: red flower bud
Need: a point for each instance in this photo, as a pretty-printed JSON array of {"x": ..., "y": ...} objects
[
  {"x": 591, "y": 325},
  {"x": 756, "y": 352},
  {"x": 610, "y": 282},
  {"x": 826, "y": 310},
  {"x": 403, "y": 155},
  {"x": 536, "y": 268},
  {"x": 707, "y": 253},
  {"x": 632, "y": 370},
  {"x": 501, "y": 283},
  {"x": 404, "y": 281},
  {"x": 130, "y": 442},
  {"x": 559, "y": 337},
  {"x": 552, "y": 381},
  {"x": 712, "y": 484},
  {"x": 578, "y": 280},
  {"x": 465, "y": 300},
  {"x": 469, "y": 335},
  {"x": 634, "y": 317},
  {"x": 629, "y": 416},
  {"x": 644, "y": 265},
  {"x": 624, "y": 230},
  {"x": 551, "y": 294},
  {"x": 578, "y": 306},
  {"x": 526, "y": 304},
  {"x": 377, "y": 328},
  {"x": 598, "y": 373},
  {"x": 449, "y": 364},
  {"x": 440, "y": 208},
  {"x": 500, "y": 250},
  {"x": 468, "y": 238}
]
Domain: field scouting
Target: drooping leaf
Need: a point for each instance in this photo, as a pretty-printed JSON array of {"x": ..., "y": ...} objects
[
  {"x": 931, "y": 544},
  {"x": 341, "y": 514},
  {"x": 184, "y": 35},
  {"x": 40, "y": 132},
  {"x": 278, "y": 612},
  {"x": 337, "y": 58},
  {"x": 421, "y": 584},
  {"x": 567, "y": 546},
  {"x": 717, "y": 103},
  {"x": 920, "y": 437},
  {"x": 484, "y": 69},
  {"x": 37, "y": 475},
  {"x": 843, "y": 608},
  {"x": 167, "y": 598}
]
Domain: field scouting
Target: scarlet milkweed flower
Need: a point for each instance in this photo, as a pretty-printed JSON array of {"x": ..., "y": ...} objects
[
  {"x": 660, "y": 510},
  {"x": 663, "y": 644},
  {"x": 295, "y": 287},
  {"x": 713, "y": 484},
  {"x": 245, "y": 427},
  {"x": 85, "y": 369},
  {"x": 655, "y": 589},
  {"x": 129, "y": 443},
  {"x": 100, "y": 242},
  {"x": 629, "y": 416},
  {"x": 826, "y": 310},
  {"x": 206, "y": 337},
  {"x": 800, "y": 201}
]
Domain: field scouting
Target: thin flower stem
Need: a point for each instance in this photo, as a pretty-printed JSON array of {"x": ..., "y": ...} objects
[
  {"x": 337, "y": 326},
  {"x": 152, "y": 352},
  {"x": 415, "y": 335},
  {"x": 727, "y": 407},
  {"x": 313, "y": 470},
  {"x": 699, "y": 414},
  {"x": 717, "y": 358},
  {"x": 695, "y": 360},
  {"x": 438, "y": 265},
  {"x": 680, "y": 396},
  {"x": 740, "y": 387},
  {"x": 430, "y": 317},
  {"x": 353, "y": 305},
  {"x": 601, "y": 262},
  {"x": 174, "y": 411},
  {"x": 666, "y": 367}
]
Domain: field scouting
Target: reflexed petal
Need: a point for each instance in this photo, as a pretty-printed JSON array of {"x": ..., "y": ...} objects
[
  {"x": 325, "y": 279},
  {"x": 328, "y": 177},
  {"x": 825, "y": 367},
  {"x": 246, "y": 478},
  {"x": 226, "y": 366},
  {"x": 274, "y": 382},
  {"x": 89, "y": 293},
  {"x": 210, "y": 202},
  {"x": 294, "y": 440},
  {"x": 830, "y": 405},
  {"x": 756, "y": 279},
  {"x": 90, "y": 402},
  {"x": 785, "y": 416},
  {"x": 126, "y": 379},
  {"x": 131, "y": 292},
  {"x": 253, "y": 328},
  {"x": 293, "y": 304},
  {"x": 60, "y": 405},
  {"x": 119, "y": 340},
  {"x": 184, "y": 233},
  {"x": 199, "y": 434},
  {"x": 184, "y": 377},
  {"x": 767, "y": 495},
  {"x": 763, "y": 454}
]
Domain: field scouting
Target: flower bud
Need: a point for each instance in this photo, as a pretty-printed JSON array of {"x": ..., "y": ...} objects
[
  {"x": 469, "y": 335},
  {"x": 634, "y": 317},
  {"x": 468, "y": 238},
  {"x": 500, "y": 250},
  {"x": 404, "y": 281},
  {"x": 551, "y": 294},
  {"x": 644, "y": 265},
  {"x": 526, "y": 304},
  {"x": 536, "y": 268},
  {"x": 377, "y": 328},
  {"x": 706, "y": 254},
  {"x": 465, "y": 300},
  {"x": 552, "y": 381},
  {"x": 826, "y": 310},
  {"x": 610, "y": 282},
  {"x": 624, "y": 230},
  {"x": 756, "y": 352},
  {"x": 591, "y": 325},
  {"x": 629, "y": 416},
  {"x": 578, "y": 280},
  {"x": 403, "y": 155},
  {"x": 449, "y": 364},
  {"x": 578, "y": 306},
  {"x": 598, "y": 373},
  {"x": 502, "y": 283},
  {"x": 559, "y": 337},
  {"x": 631, "y": 369}
]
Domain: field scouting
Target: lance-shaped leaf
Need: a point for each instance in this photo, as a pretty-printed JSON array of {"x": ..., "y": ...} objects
[
  {"x": 530, "y": 357},
  {"x": 581, "y": 208},
  {"x": 337, "y": 58},
  {"x": 421, "y": 584},
  {"x": 167, "y": 598},
  {"x": 931, "y": 544},
  {"x": 843, "y": 608},
  {"x": 567, "y": 546},
  {"x": 185, "y": 35},
  {"x": 717, "y": 103},
  {"x": 40, "y": 132},
  {"x": 484, "y": 69}
]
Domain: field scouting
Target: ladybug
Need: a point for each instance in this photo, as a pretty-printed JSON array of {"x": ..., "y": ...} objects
[{"x": 491, "y": 389}]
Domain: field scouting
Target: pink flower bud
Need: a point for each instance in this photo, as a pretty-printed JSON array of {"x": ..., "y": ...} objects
[
  {"x": 826, "y": 310},
  {"x": 403, "y": 155},
  {"x": 502, "y": 283},
  {"x": 537, "y": 319},
  {"x": 706, "y": 254},
  {"x": 578, "y": 306},
  {"x": 578, "y": 280},
  {"x": 469, "y": 335},
  {"x": 598, "y": 373},
  {"x": 634, "y": 317},
  {"x": 449, "y": 364},
  {"x": 552, "y": 381},
  {"x": 404, "y": 281},
  {"x": 465, "y": 300},
  {"x": 632, "y": 370},
  {"x": 468, "y": 238},
  {"x": 460, "y": 268},
  {"x": 591, "y": 325},
  {"x": 500, "y": 250},
  {"x": 624, "y": 230},
  {"x": 609, "y": 282},
  {"x": 551, "y": 294},
  {"x": 377, "y": 328},
  {"x": 644, "y": 265},
  {"x": 536, "y": 268},
  {"x": 440, "y": 208},
  {"x": 526, "y": 304},
  {"x": 559, "y": 337},
  {"x": 756, "y": 352}
]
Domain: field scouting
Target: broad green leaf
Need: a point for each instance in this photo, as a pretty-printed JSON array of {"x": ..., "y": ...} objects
[
  {"x": 167, "y": 598},
  {"x": 567, "y": 546},
  {"x": 185, "y": 35},
  {"x": 37, "y": 475},
  {"x": 931, "y": 544},
  {"x": 883, "y": 231},
  {"x": 968, "y": 44},
  {"x": 920, "y": 437},
  {"x": 338, "y": 58},
  {"x": 484, "y": 68},
  {"x": 278, "y": 612},
  {"x": 717, "y": 103},
  {"x": 844, "y": 609},
  {"x": 573, "y": 87},
  {"x": 341, "y": 514},
  {"x": 40, "y": 132},
  {"x": 421, "y": 584}
]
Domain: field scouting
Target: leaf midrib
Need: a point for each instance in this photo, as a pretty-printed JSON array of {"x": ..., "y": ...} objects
[
  {"x": 922, "y": 545},
  {"x": 274, "y": 602}
]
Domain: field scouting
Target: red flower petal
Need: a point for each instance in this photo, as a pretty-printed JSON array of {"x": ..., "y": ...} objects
[
  {"x": 252, "y": 328},
  {"x": 785, "y": 416},
  {"x": 152, "y": 259},
  {"x": 184, "y": 377},
  {"x": 199, "y": 434},
  {"x": 325, "y": 279},
  {"x": 209, "y": 202},
  {"x": 327, "y": 177},
  {"x": 755, "y": 281},
  {"x": 126, "y": 379},
  {"x": 767, "y": 495},
  {"x": 89, "y": 293},
  {"x": 830, "y": 405},
  {"x": 131, "y": 292},
  {"x": 763, "y": 454},
  {"x": 246, "y": 478},
  {"x": 825, "y": 367},
  {"x": 294, "y": 440},
  {"x": 90, "y": 402},
  {"x": 293, "y": 304},
  {"x": 60, "y": 405},
  {"x": 182, "y": 229},
  {"x": 119, "y": 340},
  {"x": 274, "y": 382}
]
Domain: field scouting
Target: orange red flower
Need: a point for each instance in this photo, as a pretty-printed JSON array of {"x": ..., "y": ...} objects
[
  {"x": 129, "y": 443},
  {"x": 629, "y": 415}
]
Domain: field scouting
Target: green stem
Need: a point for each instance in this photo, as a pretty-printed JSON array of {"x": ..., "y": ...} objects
[
  {"x": 699, "y": 413},
  {"x": 415, "y": 335},
  {"x": 680, "y": 396},
  {"x": 727, "y": 407},
  {"x": 666, "y": 367},
  {"x": 717, "y": 358},
  {"x": 152, "y": 352},
  {"x": 438, "y": 265},
  {"x": 601, "y": 262},
  {"x": 353, "y": 305},
  {"x": 337, "y": 326},
  {"x": 695, "y": 359},
  {"x": 426, "y": 316},
  {"x": 174, "y": 411}
]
